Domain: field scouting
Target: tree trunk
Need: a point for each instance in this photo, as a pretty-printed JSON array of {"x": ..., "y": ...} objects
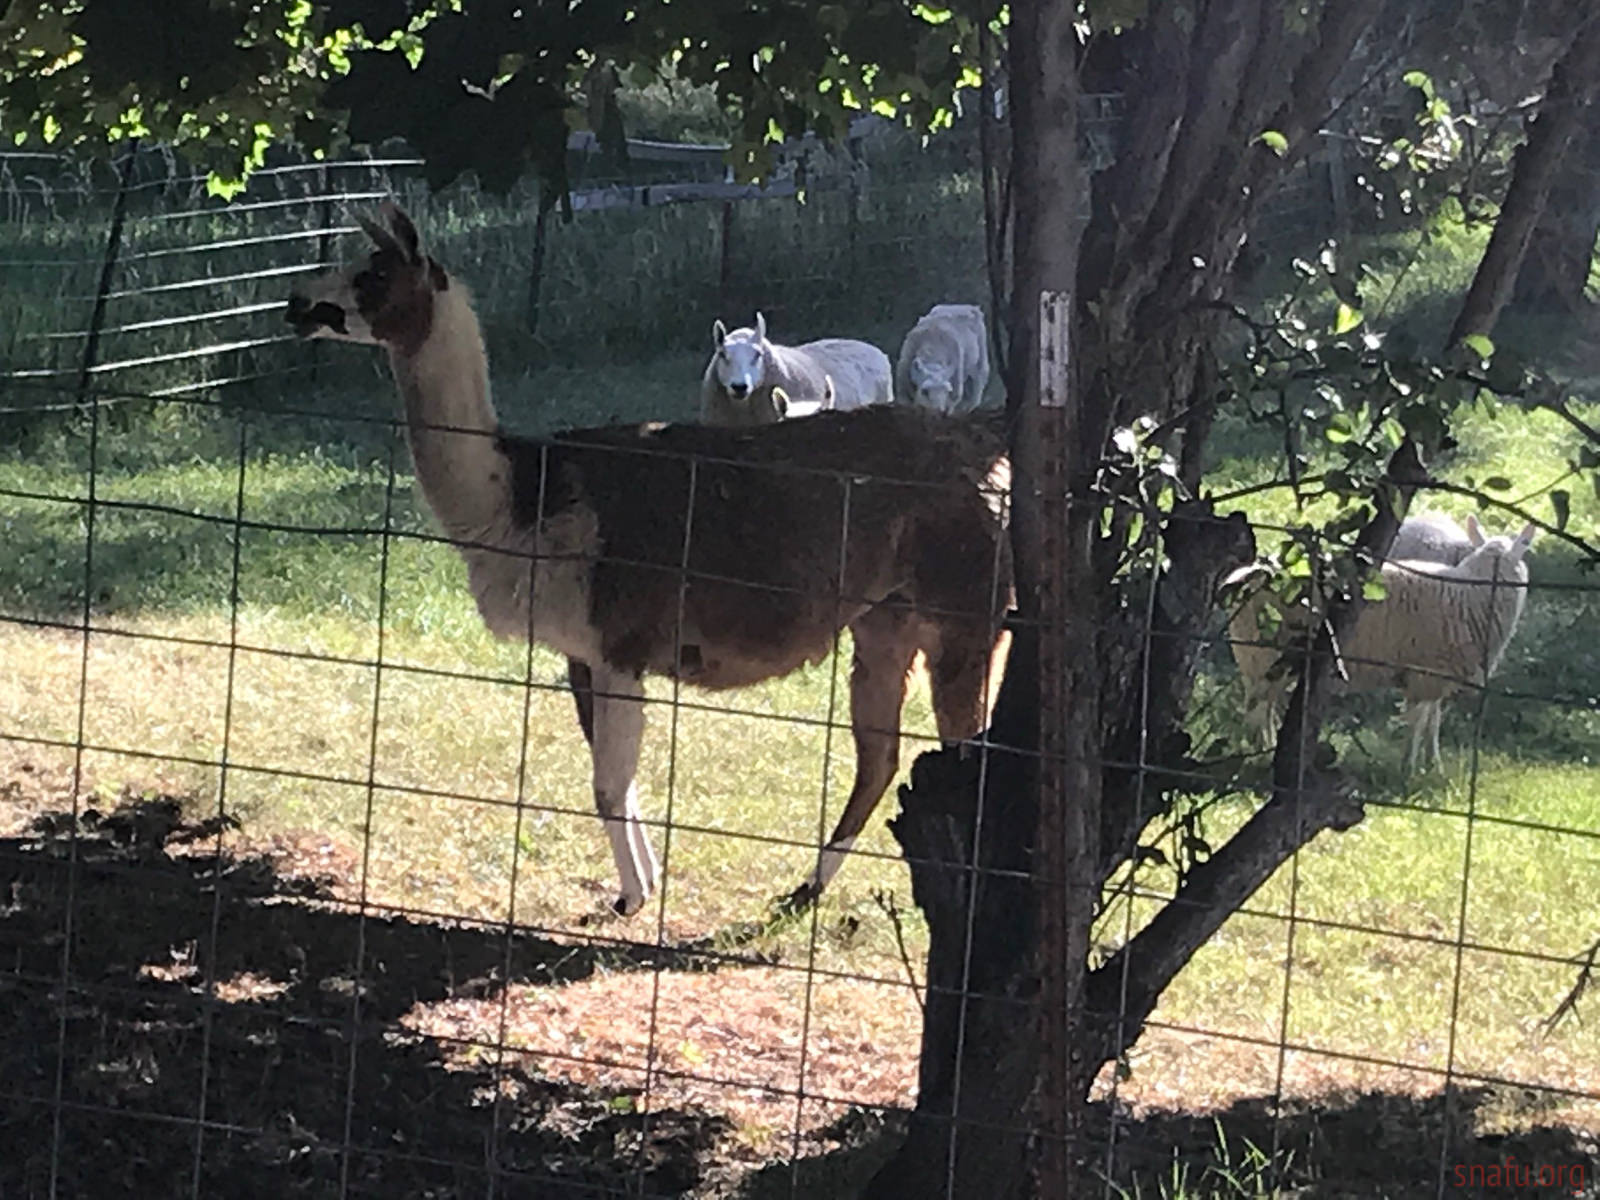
[
  {"x": 1573, "y": 84},
  {"x": 982, "y": 1034},
  {"x": 1555, "y": 274}
]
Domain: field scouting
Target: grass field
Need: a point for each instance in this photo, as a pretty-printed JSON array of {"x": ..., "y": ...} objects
[{"x": 440, "y": 783}]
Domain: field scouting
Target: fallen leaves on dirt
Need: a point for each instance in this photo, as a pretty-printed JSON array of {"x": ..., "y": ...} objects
[{"x": 736, "y": 1043}]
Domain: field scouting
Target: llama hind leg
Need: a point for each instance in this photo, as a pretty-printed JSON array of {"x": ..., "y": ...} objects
[
  {"x": 618, "y": 724},
  {"x": 884, "y": 648},
  {"x": 961, "y": 661}
]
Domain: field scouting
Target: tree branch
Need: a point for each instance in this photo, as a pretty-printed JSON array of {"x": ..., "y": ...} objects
[
  {"x": 1306, "y": 799},
  {"x": 1213, "y": 891}
]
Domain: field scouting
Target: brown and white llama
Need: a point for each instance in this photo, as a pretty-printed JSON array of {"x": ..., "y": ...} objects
[{"x": 721, "y": 557}]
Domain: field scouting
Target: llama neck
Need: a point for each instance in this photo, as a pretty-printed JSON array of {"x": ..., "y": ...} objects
[{"x": 451, "y": 421}]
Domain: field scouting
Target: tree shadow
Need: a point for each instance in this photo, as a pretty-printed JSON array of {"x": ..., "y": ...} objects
[
  {"x": 292, "y": 1075},
  {"x": 1381, "y": 1145}
]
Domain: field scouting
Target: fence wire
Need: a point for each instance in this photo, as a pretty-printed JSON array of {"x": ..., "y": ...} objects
[{"x": 305, "y": 886}]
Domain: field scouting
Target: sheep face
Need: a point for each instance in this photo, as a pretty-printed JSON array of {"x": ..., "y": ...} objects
[
  {"x": 740, "y": 366},
  {"x": 933, "y": 384}
]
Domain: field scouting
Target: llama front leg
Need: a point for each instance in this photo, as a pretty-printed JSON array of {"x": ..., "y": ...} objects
[
  {"x": 617, "y": 699},
  {"x": 581, "y": 680}
]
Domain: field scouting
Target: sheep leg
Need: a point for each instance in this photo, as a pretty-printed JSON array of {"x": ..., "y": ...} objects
[
  {"x": 1423, "y": 716},
  {"x": 884, "y": 647},
  {"x": 617, "y": 699}
]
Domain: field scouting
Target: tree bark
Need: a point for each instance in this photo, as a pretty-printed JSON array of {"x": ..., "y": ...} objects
[
  {"x": 1573, "y": 85},
  {"x": 1555, "y": 273}
]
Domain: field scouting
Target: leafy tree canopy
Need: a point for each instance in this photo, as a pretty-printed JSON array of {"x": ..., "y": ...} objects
[{"x": 486, "y": 85}]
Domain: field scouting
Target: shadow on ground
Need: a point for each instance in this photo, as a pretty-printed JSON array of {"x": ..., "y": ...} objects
[
  {"x": 298, "y": 1080},
  {"x": 307, "y": 1087},
  {"x": 1373, "y": 1146}
]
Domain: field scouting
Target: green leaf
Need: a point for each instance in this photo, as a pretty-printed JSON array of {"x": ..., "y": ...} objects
[
  {"x": 1497, "y": 483},
  {"x": 1372, "y": 590},
  {"x": 1347, "y": 319},
  {"x": 1419, "y": 80},
  {"x": 1479, "y": 344},
  {"x": 1274, "y": 141},
  {"x": 1561, "y": 501}
]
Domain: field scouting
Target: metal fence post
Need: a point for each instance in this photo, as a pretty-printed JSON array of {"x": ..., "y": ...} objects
[
  {"x": 725, "y": 263},
  {"x": 108, "y": 266},
  {"x": 323, "y": 208}
]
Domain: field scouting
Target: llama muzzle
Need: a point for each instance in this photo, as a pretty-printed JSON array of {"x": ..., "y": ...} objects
[{"x": 307, "y": 318}]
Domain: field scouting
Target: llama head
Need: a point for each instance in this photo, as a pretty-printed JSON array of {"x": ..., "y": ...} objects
[
  {"x": 384, "y": 297},
  {"x": 740, "y": 365},
  {"x": 933, "y": 383}
]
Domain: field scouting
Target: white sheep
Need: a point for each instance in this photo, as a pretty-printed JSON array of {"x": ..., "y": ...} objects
[
  {"x": 737, "y": 387},
  {"x": 1440, "y": 626},
  {"x": 1435, "y": 537},
  {"x": 944, "y": 360},
  {"x": 1432, "y": 537}
]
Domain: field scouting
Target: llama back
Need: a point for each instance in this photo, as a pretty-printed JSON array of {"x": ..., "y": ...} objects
[{"x": 853, "y": 489}]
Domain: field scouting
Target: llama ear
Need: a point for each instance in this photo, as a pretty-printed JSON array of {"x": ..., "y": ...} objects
[
  {"x": 404, "y": 231},
  {"x": 719, "y": 332},
  {"x": 1475, "y": 530},
  {"x": 761, "y": 328},
  {"x": 379, "y": 234}
]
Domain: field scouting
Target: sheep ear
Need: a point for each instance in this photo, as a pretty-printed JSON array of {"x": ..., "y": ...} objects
[
  {"x": 780, "y": 402},
  {"x": 761, "y": 328},
  {"x": 828, "y": 394},
  {"x": 1525, "y": 538},
  {"x": 719, "y": 332},
  {"x": 1475, "y": 530}
]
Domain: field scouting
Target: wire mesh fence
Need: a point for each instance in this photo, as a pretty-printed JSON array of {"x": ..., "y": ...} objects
[{"x": 307, "y": 887}]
